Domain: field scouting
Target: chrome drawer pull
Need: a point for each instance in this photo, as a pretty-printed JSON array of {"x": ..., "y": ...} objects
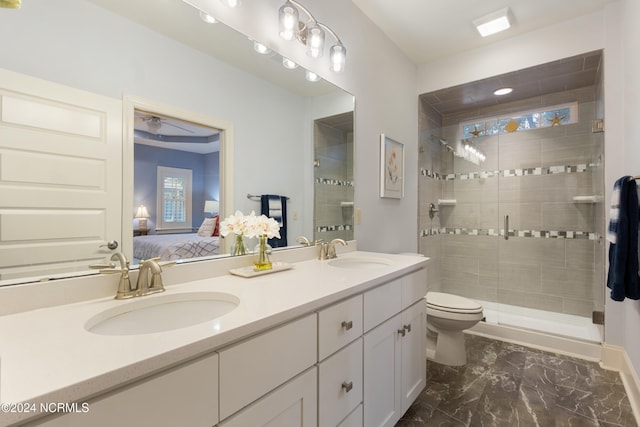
[
  {"x": 402, "y": 332},
  {"x": 408, "y": 327},
  {"x": 347, "y": 386},
  {"x": 347, "y": 325}
]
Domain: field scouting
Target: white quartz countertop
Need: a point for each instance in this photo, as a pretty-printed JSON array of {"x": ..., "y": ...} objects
[{"x": 47, "y": 355}]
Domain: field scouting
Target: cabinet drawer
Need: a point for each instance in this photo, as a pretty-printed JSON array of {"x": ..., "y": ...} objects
[
  {"x": 340, "y": 387},
  {"x": 338, "y": 325},
  {"x": 382, "y": 303},
  {"x": 188, "y": 392},
  {"x": 254, "y": 367},
  {"x": 414, "y": 287}
]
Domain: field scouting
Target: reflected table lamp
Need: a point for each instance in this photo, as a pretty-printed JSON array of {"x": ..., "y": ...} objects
[
  {"x": 211, "y": 206},
  {"x": 141, "y": 215}
]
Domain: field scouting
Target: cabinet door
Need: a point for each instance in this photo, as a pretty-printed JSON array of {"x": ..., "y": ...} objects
[
  {"x": 382, "y": 370},
  {"x": 293, "y": 404},
  {"x": 414, "y": 363}
]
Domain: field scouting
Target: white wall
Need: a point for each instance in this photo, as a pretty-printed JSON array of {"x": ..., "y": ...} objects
[{"x": 623, "y": 147}]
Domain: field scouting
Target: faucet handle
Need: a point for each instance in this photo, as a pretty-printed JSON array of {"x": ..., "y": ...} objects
[
  {"x": 303, "y": 241},
  {"x": 102, "y": 266}
]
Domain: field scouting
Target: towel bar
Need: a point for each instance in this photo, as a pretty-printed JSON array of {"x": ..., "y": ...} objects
[{"x": 257, "y": 198}]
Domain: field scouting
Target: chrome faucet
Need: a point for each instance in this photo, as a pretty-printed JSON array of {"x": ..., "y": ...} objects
[
  {"x": 150, "y": 276},
  {"x": 328, "y": 250}
]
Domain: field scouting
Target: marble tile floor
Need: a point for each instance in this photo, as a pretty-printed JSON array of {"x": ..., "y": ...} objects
[{"x": 509, "y": 385}]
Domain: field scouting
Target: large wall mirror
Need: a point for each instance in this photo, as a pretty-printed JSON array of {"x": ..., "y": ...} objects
[{"x": 116, "y": 51}]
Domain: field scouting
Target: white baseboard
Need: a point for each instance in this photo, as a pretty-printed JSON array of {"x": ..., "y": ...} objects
[{"x": 617, "y": 359}]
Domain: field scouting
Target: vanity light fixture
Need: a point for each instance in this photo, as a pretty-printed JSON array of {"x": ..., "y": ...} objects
[
  {"x": 503, "y": 91},
  {"x": 207, "y": 18},
  {"x": 289, "y": 64},
  {"x": 493, "y": 22},
  {"x": 311, "y": 34}
]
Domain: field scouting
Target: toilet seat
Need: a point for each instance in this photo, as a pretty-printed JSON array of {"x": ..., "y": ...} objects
[{"x": 452, "y": 303}]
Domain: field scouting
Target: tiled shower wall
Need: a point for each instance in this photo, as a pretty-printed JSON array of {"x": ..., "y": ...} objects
[
  {"x": 553, "y": 257},
  {"x": 333, "y": 210}
]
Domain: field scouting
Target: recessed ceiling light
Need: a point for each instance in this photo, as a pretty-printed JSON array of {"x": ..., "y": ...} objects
[
  {"x": 207, "y": 18},
  {"x": 493, "y": 22},
  {"x": 503, "y": 91},
  {"x": 260, "y": 48}
]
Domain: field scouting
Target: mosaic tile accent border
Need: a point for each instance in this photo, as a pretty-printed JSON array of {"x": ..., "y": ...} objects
[
  {"x": 538, "y": 234},
  {"x": 341, "y": 227},
  {"x": 583, "y": 167},
  {"x": 336, "y": 182}
]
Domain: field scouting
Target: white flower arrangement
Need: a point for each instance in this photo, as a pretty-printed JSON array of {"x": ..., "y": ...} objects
[{"x": 250, "y": 225}]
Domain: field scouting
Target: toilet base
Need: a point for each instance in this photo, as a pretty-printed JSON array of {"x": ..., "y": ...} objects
[{"x": 450, "y": 349}]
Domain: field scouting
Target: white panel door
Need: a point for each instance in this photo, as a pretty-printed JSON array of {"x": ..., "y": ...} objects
[{"x": 60, "y": 177}]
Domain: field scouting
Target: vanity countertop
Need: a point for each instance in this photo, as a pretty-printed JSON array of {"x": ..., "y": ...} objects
[{"x": 47, "y": 355}]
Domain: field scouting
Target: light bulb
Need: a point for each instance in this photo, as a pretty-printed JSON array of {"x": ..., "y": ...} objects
[
  {"x": 232, "y": 3},
  {"x": 315, "y": 41},
  {"x": 288, "y": 21},
  {"x": 338, "y": 58}
]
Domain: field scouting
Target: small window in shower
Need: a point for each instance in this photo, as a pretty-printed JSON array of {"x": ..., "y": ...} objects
[{"x": 524, "y": 120}]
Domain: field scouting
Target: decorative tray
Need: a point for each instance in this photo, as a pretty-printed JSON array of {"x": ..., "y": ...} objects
[{"x": 250, "y": 271}]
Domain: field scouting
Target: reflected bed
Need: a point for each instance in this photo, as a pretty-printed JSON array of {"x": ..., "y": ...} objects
[{"x": 170, "y": 247}]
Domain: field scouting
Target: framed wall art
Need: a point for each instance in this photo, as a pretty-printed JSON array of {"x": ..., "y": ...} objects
[{"x": 391, "y": 168}]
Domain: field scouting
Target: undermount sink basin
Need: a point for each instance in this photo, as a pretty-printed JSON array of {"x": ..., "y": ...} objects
[
  {"x": 359, "y": 262},
  {"x": 159, "y": 313}
]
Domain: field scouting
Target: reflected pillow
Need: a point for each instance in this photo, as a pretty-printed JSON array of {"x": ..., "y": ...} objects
[
  {"x": 208, "y": 227},
  {"x": 216, "y": 230}
]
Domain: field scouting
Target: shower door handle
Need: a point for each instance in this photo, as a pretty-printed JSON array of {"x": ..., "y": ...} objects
[{"x": 506, "y": 227}]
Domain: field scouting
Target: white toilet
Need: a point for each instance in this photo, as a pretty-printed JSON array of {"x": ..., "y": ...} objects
[{"x": 447, "y": 316}]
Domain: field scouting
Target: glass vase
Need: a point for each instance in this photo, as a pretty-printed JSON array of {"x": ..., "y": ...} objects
[
  {"x": 262, "y": 260},
  {"x": 239, "y": 247}
]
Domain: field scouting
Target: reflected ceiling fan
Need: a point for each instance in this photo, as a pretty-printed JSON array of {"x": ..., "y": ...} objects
[{"x": 155, "y": 124}]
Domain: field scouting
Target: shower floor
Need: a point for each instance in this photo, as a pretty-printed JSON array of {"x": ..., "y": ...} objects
[{"x": 543, "y": 321}]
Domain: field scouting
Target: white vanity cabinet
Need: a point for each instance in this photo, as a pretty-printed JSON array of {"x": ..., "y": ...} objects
[
  {"x": 394, "y": 350},
  {"x": 185, "y": 395}
]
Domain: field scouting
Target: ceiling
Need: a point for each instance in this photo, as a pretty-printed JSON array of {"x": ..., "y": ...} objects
[
  {"x": 167, "y": 132},
  {"x": 558, "y": 76},
  {"x": 429, "y": 30},
  {"x": 424, "y": 30}
]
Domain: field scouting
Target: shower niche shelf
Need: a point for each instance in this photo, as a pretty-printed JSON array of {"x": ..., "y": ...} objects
[
  {"x": 447, "y": 202},
  {"x": 587, "y": 199}
]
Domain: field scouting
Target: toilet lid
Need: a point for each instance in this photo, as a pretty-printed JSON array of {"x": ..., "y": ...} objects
[{"x": 452, "y": 303}]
